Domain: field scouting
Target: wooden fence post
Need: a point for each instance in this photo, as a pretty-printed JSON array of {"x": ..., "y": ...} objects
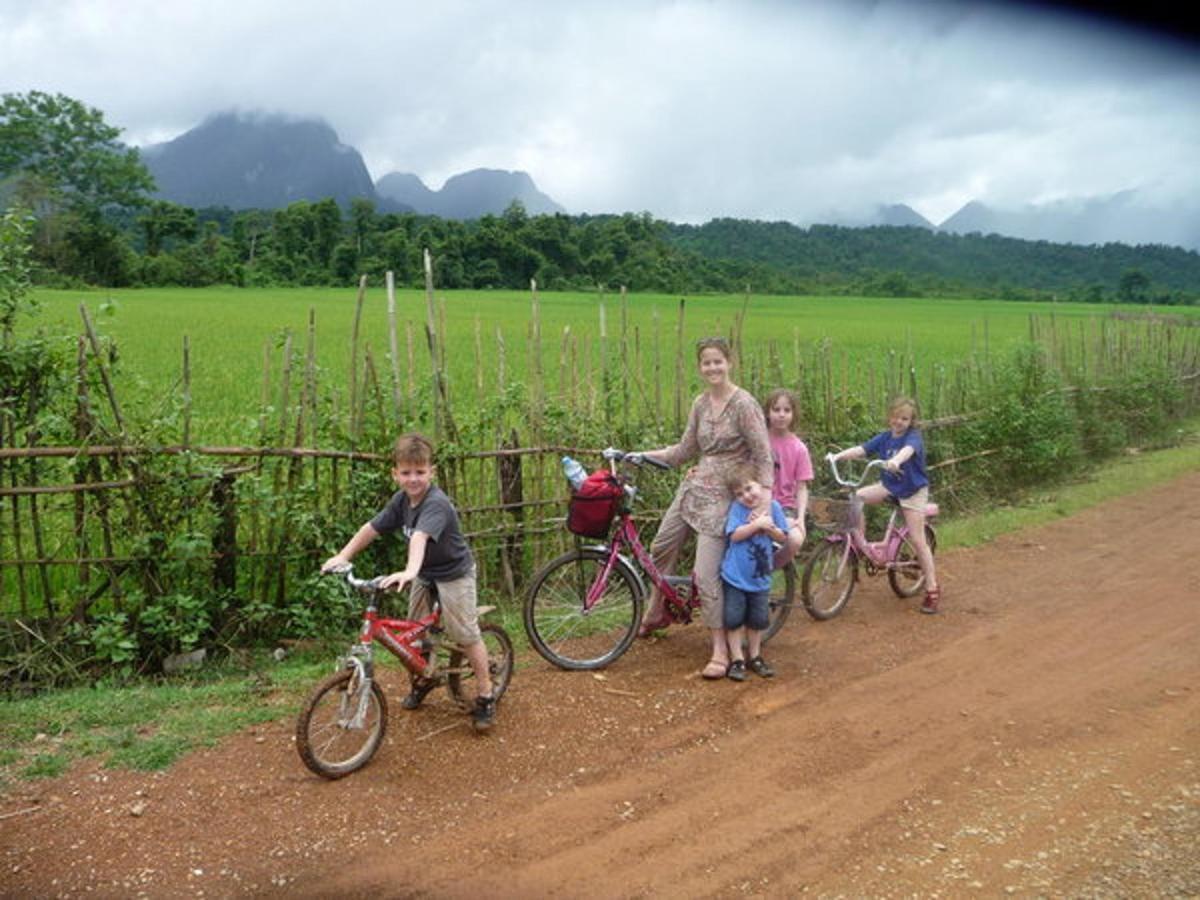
[
  {"x": 224, "y": 539},
  {"x": 353, "y": 386},
  {"x": 679, "y": 369},
  {"x": 394, "y": 346},
  {"x": 431, "y": 340},
  {"x": 512, "y": 492}
]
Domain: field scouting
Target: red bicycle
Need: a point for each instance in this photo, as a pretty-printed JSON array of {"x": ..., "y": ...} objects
[
  {"x": 583, "y": 609},
  {"x": 345, "y": 717}
]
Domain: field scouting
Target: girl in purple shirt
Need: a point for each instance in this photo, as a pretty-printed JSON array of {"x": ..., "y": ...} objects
[{"x": 905, "y": 481}]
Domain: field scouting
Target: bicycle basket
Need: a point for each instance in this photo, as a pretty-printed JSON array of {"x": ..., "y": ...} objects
[
  {"x": 593, "y": 507},
  {"x": 833, "y": 513}
]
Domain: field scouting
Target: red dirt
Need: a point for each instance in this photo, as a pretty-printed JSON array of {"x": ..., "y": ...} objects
[{"x": 1040, "y": 737}]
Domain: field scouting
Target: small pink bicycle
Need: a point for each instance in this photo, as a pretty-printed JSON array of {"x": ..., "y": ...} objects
[{"x": 831, "y": 573}]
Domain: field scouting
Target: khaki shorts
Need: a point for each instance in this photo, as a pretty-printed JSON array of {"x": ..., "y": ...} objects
[
  {"x": 460, "y": 614},
  {"x": 916, "y": 501}
]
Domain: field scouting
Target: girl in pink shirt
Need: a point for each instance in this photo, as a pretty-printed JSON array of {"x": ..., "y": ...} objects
[{"x": 793, "y": 469}]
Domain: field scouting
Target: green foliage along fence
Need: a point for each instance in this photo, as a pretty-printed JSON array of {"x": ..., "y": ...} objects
[{"x": 121, "y": 545}]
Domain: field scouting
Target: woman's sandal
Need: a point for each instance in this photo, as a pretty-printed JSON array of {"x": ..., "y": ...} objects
[
  {"x": 648, "y": 627},
  {"x": 715, "y": 669}
]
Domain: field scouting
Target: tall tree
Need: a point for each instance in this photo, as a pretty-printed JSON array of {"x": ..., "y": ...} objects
[
  {"x": 60, "y": 159},
  {"x": 163, "y": 220},
  {"x": 63, "y": 152}
]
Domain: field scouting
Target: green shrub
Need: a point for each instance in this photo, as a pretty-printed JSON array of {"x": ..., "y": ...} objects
[{"x": 1027, "y": 416}]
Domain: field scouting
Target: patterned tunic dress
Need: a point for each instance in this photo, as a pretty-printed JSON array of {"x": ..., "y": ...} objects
[{"x": 735, "y": 436}]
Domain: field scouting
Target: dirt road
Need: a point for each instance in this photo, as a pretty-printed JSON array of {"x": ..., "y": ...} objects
[{"x": 1039, "y": 738}]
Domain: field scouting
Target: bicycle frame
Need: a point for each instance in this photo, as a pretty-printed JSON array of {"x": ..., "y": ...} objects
[
  {"x": 399, "y": 636},
  {"x": 881, "y": 553},
  {"x": 626, "y": 536}
]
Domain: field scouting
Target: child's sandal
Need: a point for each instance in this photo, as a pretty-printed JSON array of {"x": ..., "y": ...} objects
[{"x": 759, "y": 667}]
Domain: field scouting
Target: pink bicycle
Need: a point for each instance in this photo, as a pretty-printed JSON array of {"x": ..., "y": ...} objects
[
  {"x": 831, "y": 573},
  {"x": 583, "y": 608}
]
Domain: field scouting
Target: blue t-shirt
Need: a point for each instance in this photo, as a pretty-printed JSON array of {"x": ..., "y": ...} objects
[
  {"x": 747, "y": 564},
  {"x": 911, "y": 477}
]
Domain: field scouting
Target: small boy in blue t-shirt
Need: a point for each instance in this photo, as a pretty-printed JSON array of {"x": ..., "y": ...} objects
[{"x": 754, "y": 525}]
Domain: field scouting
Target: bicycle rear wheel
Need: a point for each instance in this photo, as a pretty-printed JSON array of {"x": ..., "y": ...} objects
[
  {"x": 559, "y": 627},
  {"x": 829, "y": 580},
  {"x": 783, "y": 596},
  {"x": 905, "y": 575},
  {"x": 461, "y": 678},
  {"x": 331, "y": 743}
]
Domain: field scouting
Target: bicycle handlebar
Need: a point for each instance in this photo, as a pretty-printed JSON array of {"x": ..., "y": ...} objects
[
  {"x": 844, "y": 482},
  {"x": 366, "y": 585},
  {"x": 612, "y": 454}
]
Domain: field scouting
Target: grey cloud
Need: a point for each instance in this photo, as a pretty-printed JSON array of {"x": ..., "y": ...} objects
[{"x": 689, "y": 109}]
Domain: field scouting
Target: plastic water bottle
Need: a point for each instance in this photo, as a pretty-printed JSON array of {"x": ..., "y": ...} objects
[{"x": 574, "y": 471}]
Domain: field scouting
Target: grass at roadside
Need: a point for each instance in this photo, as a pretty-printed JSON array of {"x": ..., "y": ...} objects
[
  {"x": 150, "y": 725},
  {"x": 146, "y": 726},
  {"x": 1127, "y": 474}
]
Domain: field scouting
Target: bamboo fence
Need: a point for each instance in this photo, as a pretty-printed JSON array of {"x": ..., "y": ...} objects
[{"x": 110, "y": 521}]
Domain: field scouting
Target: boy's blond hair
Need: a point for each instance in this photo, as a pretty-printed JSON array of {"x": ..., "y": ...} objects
[
  {"x": 739, "y": 475},
  {"x": 414, "y": 449}
]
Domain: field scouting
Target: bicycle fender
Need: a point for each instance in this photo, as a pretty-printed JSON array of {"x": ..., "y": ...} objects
[
  {"x": 634, "y": 572},
  {"x": 625, "y": 563}
]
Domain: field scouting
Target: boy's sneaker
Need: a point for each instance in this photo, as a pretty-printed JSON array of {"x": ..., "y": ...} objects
[
  {"x": 737, "y": 670},
  {"x": 930, "y": 603},
  {"x": 483, "y": 715},
  {"x": 759, "y": 667},
  {"x": 420, "y": 688}
]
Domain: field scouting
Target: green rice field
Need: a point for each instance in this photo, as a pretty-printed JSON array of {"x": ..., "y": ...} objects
[{"x": 231, "y": 330}]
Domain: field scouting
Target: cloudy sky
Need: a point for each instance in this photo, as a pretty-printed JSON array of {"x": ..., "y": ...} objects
[{"x": 691, "y": 109}]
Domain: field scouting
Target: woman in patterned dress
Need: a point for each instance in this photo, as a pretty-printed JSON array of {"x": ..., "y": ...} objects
[{"x": 725, "y": 428}]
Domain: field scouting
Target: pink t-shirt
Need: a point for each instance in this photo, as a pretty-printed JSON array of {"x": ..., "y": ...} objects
[{"x": 792, "y": 466}]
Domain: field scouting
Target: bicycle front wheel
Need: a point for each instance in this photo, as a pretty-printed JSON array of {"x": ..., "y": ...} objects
[
  {"x": 829, "y": 580},
  {"x": 341, "y": 725},
  {"x": 562, "y": 630},
  {"x": 461, "y": 677},
  {"x": 783, "y": 595},
  {"x": 904, "y": 573}
]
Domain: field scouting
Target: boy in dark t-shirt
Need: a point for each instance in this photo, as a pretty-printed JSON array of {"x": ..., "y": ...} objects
[{"x": 437, "y": 554}]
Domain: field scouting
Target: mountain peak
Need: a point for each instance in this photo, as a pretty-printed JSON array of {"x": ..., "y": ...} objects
[
  {"x": 258, "y": 160},
  {"x": 1125, "y": 217},
  {"x": 468, "y": 195}
]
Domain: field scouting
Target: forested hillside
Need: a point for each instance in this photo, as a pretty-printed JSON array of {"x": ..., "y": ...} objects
[
  {"x": 316, "y": 243},
  {"x": 932, "y": 262},
  {"x": 95, "y": 223}
]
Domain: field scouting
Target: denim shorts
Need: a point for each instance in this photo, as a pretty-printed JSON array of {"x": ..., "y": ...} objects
[{"x": 748, "y": 608}]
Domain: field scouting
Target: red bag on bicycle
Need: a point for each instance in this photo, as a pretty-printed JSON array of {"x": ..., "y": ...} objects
[{"x": 593, "y": 506}]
